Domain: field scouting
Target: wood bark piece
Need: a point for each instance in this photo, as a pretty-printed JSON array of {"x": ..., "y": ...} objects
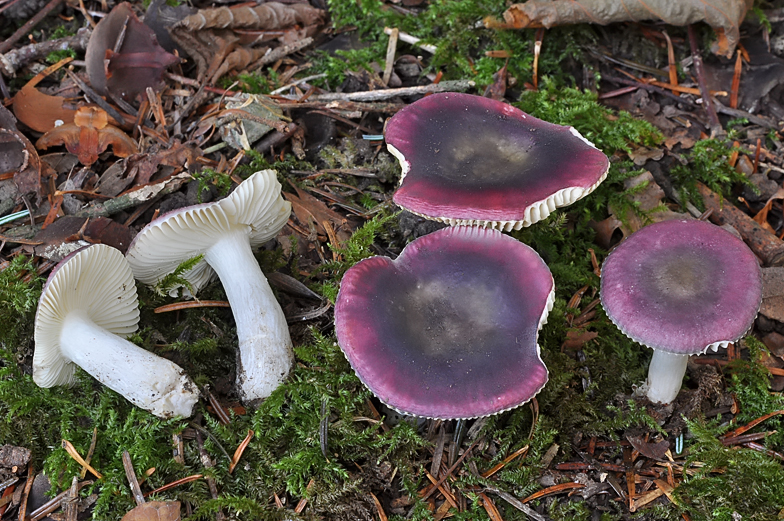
[
  {"x": 768, "y": 247},
  {"x": 11, "y": 456},
  {"x": 11, "y": 61},
  {"x": 724, "y": 16}
]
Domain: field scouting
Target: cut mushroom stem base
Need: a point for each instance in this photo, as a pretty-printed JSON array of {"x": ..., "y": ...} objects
[
  {"x": 146, "y": 380},
  {"x": 665, "y": 376},
  {"x": 265, "y": 348}
]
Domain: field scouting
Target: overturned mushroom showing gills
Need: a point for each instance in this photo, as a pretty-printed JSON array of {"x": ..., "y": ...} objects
[
  {"x": 476, "y": 161},
  {"x": 87, "y": 307},
  {"x": 680, "y": 288},
  {"x": 225, "y": 233},
  {"x": 449, "y": 329}
]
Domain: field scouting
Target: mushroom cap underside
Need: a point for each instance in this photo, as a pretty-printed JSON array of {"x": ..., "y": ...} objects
[
  {"x": 96, "y": 281},
  {"x": 449, "y": 329},
  {"x": 682, "y": 286},
  {"x": 472, "y": 160},
  {"x": 255, "y": 207}
]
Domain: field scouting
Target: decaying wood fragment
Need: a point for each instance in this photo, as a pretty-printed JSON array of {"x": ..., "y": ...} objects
[
  {"x": 768, "y": 247},
  {"x": 11, "y": 456},
  {"x": 11, "y": 61},
  {"x": 724, "y": 16}
]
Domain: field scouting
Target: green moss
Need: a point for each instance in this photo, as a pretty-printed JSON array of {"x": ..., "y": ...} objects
[
  {"x": 708, "y": 163},
  {"x": 56, "y": 56},
  {"x": 731, "y": 483}
]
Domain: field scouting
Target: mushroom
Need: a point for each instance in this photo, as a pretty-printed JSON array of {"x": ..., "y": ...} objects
[
  {"x": 476, "y": 161},
  {"x": 87, "y": 307},
  {"x": 449, "y": 329},
  {"x": 225, "y": 232},
  {"x": 680, "y": 288}
]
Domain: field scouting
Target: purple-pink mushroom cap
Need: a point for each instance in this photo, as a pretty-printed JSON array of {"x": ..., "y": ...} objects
[
  {"x": 473, "y": 160},
  {"x": 449, "y": 329},
  {"x": 682, "y": 287}
]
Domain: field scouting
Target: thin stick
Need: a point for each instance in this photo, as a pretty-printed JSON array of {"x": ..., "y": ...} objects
[
  {"x": 390, "y": 58},
  {"x": 450, "y": 470},
  {"x": 385, "y": 94},
  {"x": 26, "y": 28},
  {"x": 12, "y": 60},
  {"x": 132, "y": 481},
  {"x": 713, "y": 118}
]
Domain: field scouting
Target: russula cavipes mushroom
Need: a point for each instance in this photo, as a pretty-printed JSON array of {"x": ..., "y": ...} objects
[
  {"x": 475, "y": 161},
  {"x": 448, "y": 329},
  {"x": 87, "y": 307},
  {"x": 225, "y": 232},
  {"x": 680, "y": 288}
]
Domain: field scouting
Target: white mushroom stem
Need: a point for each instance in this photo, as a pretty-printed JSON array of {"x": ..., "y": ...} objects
[
  {"x": 665, "y": 376},
  {"x": 265, "y": 353},
  {"x": 146, "y": 380}
]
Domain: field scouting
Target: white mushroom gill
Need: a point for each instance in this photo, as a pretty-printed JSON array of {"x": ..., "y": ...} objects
[{"x": 87, "y": 308}]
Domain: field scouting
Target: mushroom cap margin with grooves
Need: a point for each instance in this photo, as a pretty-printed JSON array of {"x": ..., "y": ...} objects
[
  {"x": 255, "y": 205},
  {"x": 454, "y": 292},
  {"x": 682, "y": 287},
  {"x": 485, "y": 175},
  {"x": 96, "y": 279}
]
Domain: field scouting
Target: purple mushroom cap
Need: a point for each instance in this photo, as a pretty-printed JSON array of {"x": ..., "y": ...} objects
[
  {"x": 449, "y": 329},
  {"x": 682, "y": 287},
  {"x": 473, "y": 160}
]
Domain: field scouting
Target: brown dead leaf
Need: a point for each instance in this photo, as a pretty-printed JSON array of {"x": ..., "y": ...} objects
[
  {"x": 762, "y": 216},
  {"x": 725, "y": 16},
  {"x": 576, "y": 339},
  {"x": 155, "y": 511},
  {"x": 650, "y": 450},
  {"x": 40, "y": 111},
  {"x": 70, "y": 233},
  {"x": 308, "y": 208},
  {"x": 128, "y": 69},
  {"x": 18, "y": 155},
  {"x": 88, "y": 136},
  {"x": 640, "y": 155}
]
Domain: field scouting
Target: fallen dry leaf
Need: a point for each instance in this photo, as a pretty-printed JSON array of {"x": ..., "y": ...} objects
[
  {"x": 88, "y": 136},
  {"x": 725, "y": 16},
  {"x": 69, "y": 233},
  {"x": 129, "y": 69},
  {"x": 42, "y": 112},
  {"x": 18, "y": 155},
  {"x": 155, "y": 511}
]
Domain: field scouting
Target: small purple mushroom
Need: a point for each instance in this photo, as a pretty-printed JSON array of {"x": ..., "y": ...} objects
[
  {"x": 449, "y": 329},
  {"x": 680, "y": 288},
  {"x": 475, "y": 161}
]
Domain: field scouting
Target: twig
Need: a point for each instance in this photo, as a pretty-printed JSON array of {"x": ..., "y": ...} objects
[
  {"x": 12, "y": 60},
  {"x": 281, "y": 90},
  {"x": 93, "y": 96},
  {"x": 713, "y": 118},
  {"x": 451, "y": 469},
  {"x": 207, "y": 462},
  {"x": 134, "y": 197},
  {"x": 26, "y": 28},
  {"x": 737, "y": 113},
  {"x": 350, "y": 106},
  {"x": 768, "y": 247},
  {"x": 413, "y": 40},
  {"x": 132, "y": 481},
  {"x": 385, "y": 94},
  {"x": 509, "y": 498}
]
